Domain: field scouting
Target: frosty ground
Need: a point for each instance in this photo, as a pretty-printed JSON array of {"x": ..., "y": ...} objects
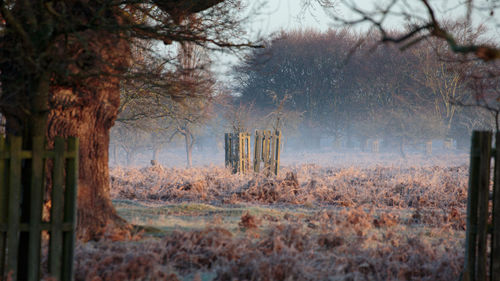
[{"x": 327, "y": 216}]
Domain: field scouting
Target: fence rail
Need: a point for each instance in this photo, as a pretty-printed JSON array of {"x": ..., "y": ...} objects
[
  {"x": 476, "y": 240},
  {"x": 60, "y": 226}
]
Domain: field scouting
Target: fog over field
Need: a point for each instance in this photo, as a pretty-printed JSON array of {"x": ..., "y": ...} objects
[{"x": 324, "y": 157}]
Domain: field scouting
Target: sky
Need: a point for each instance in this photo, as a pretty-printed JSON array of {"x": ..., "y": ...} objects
[
  {"x": 275, "y": 15},
  {"x": 271, "y": 16}
]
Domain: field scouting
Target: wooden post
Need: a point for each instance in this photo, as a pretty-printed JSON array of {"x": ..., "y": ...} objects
[
  {"x": 234, "y": 154},
  {"x": 477, "y": 207},
  {"x": 63, "y": 214},
  {"x": 226, "y": 150},
  {"x": 257, "y": 151},
  {"x": 483, "y": 196},
  {"x": 56, "y": 215},
  {"x": 265, "y": 151},
  {"x": 36, "y": 196},
  {"x": 247, "y": 155},
  {"x": 3, "y": 203},
  {"x": 277, "y": 155},
  {"x": 241, "y": 141},
  {"x": 14, "y": 205},
  {"x": 495, "y": 237},
  {"x": 70, "y": 209},
  {"x": 272, "y": 144},
  {"x": 469, "y": 273}
]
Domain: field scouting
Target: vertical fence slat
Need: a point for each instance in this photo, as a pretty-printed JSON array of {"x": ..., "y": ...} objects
[
  {"x": 469, "y": 273},
  {"x": 36, "y": 195},
  {"x": 70, "y": 209},
  {"x": 3, "y": 205},
  {"x": 226, "y": 149},
  {"x": 232, "y": 145},
  {"x": 14, "y": 207},
  {"x": 240, "y": 153},
  {"x": 483, "y": 195},
  {"x": 55, "y": 252},
  {"x": 247, "y": 156},
  {"x": 256, "y": 152},
  {"x": 495, "y": 237},
  {"x": 272, "y": 147},
  {"x": 265, "y": 151},
  {"x": 277, "y": 156}
]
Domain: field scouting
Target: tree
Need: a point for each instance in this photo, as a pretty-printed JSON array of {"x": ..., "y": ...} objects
[
  {"x": 61, "y": 65},
  {"x": 309, "y": 68},
  {"x": 476, "y": 56},
  {"x": 425, "y": 20}
]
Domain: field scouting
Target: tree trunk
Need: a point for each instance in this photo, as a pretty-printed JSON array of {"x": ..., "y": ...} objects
[
  {"x": 156, "y": 152},
  {"x": 402, "y": 147},
  {"x": 25, "y": 112},
  {"x": 129, "y": 155},
  {"x": 90, "y": 119},
  {"x": 114, "y": 150},
  {"x": 189, "y": 149}
]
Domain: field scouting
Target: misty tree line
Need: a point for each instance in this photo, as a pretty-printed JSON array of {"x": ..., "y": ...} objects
[
  {"x": 349, "y": 87},
  {"x": 151, "y": 117},
  {"x": 337, "y": 85}
]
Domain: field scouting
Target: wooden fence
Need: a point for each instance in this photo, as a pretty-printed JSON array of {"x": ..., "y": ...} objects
[
  {"x": 15, "y": 261},
  {"x": 267, "y": 151},
  {"x": 237, "y": 152},
  {"x": 478, "y": 215}
]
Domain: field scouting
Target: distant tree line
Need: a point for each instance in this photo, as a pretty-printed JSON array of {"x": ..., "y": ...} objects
[{"x": 348, "y": 86}]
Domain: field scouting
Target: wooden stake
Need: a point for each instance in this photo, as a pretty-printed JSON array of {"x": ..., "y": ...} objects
[
  {"x": 483, "y": 196},
  {"x": 257, "y": 151},
  {"x": 495, "y": 237},
  {"x": 469, "y": 273}
]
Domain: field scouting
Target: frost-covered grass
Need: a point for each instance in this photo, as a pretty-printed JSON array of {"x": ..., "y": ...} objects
[{"x": 371, "y": 221}]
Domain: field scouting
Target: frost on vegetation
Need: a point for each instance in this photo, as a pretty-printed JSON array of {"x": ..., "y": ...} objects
[
  {"x": 412, "y": 187},
  {"x": 345, "y": 246},
  {"x": 369, "y": 223}
]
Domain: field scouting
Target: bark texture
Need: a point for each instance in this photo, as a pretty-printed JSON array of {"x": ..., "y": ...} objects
[
  {"x": 90, "y": 122},
  {"x": 87, "y": 109}
]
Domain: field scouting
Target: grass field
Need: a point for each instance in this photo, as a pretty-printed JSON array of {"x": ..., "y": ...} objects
[{"x": 370, "y": 222}]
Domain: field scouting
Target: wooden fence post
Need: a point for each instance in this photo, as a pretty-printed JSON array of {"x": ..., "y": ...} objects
[
  {"x": 56, "y": 215},
  {"x": 4, "y": 168},
  {"x": 63, "y": 210},
  {"x": 483, "y": 196},
  {"x": 36, "y": 198},
  {"x": 14, "y": 200},
  {"x": 257, "y": 151},
  {"x": 70, "y": 197},
  {"x": 226, "y": 149},
  {"x": 495, "y": 237},
  {"x": 247, "y": 154},
  {"x": 469, "y": 273},
  {"x": 276, "y": 156},
  {"x": 267, "y": 147},
  {"x": 272, "y": 158},
  {"x": 475, "y": 267},
  {"x": 265, "y": 150},
  {"x": 237, "y": 152}
]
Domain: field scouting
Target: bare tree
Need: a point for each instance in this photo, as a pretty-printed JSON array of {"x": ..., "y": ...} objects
[
  {"x": 61, "y": 64},
  {"x": 424, "y": 19}
]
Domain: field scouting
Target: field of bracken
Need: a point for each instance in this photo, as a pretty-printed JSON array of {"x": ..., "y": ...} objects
[{"x": 350, "y": 219}]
